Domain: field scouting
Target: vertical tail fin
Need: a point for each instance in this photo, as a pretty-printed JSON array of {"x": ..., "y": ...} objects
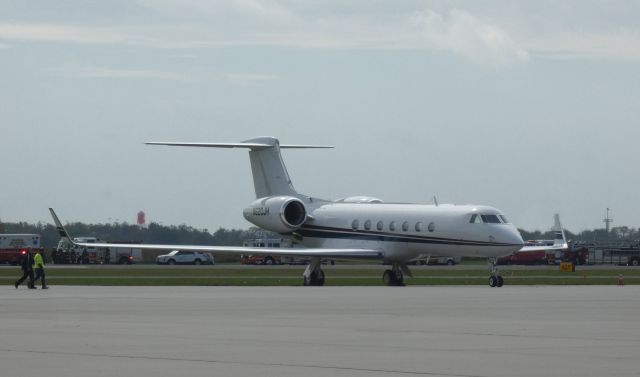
[
  {"x": 270, "y": 176},
  {"x": 559, "y": 238},
  {"x": 61, "y": 230}
]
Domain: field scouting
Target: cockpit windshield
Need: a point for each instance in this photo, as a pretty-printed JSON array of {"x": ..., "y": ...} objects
[
  {"x": 491, "y": 219},
  {"x": 488, "y": 218}
]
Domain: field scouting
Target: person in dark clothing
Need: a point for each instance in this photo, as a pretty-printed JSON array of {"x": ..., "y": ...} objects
[{"x": 26, "y": 264}]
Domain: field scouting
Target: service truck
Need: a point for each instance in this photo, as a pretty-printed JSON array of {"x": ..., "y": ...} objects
[
  {"x": 14, "y": 246},
  {"x": 66, "y": 253}
]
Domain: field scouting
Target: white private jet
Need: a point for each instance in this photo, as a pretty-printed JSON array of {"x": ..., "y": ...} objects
[{"x": 358, "y": 226}]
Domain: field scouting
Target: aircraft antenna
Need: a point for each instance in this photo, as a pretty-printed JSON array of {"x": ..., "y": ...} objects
[{"x": 435, "y": 200}]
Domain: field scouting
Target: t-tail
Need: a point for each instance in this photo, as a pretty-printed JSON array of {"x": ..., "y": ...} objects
[
  {"x": 270, "y": 176},
  {"x": 61, "y": 230},
  {"x": 559, "y": 239}
]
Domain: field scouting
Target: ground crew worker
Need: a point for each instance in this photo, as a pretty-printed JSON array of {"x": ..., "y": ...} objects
[
  {"x": 26, "y": 264},
  {"x": 38, "y": 266}
]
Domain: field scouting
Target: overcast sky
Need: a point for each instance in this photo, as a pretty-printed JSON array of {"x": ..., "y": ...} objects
[{"x": 528, "y": 106}]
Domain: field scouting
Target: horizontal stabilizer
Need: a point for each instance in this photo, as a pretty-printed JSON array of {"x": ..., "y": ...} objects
[
  {"x": 253, "y": 146},
  {"x": 270, "y": 176}
]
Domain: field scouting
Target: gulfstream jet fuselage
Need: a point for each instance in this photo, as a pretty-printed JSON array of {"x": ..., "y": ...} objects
[{"x": 359, "y": 226}]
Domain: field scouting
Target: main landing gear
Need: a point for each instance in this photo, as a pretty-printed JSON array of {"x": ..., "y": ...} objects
[
  {"x": 395, "y": 276},
  {"x": 495, "y": 280},
  {"x": 313, "y": 274}
]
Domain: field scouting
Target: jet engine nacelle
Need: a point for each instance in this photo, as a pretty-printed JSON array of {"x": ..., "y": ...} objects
[{"x": 280, "y": 214}]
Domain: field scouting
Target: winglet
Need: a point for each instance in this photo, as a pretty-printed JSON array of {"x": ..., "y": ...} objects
[
  {"x": 61, "y": 231},
  {"x": 559, "y": 238}
]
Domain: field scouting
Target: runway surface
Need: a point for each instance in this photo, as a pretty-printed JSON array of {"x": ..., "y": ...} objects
[{"x": 320, "y": 331}]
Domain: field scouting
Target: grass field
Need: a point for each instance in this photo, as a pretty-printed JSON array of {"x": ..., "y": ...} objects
[{"x": 292, "y": 276}]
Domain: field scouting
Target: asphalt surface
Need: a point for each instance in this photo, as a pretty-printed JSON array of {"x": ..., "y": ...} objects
[{"x": 320, "y": 331}]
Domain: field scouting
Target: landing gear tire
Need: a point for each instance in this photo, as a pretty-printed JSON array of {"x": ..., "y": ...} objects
[
  {"x": 392, "y": 278},
  {"x": 387, "y": 277},
  {"x": 315, "y": 279},
  {"x": 496, "y": 281}
]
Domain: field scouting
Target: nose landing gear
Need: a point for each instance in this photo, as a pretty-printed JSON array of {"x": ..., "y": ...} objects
[{"x": 495, "y": 280}]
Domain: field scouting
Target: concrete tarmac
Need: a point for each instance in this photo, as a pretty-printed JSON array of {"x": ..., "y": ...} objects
[{"x": 320, "y": 331}]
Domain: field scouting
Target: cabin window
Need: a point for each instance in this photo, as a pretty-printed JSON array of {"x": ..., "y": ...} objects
[
  {"x": 355, "y": 224},
  {"x": 418, "y": 227},
  {"x": 392, "y": 226},
  {"x": 367, "y": 224},
  {"x": 380, "y": 225},
  {"x": 431, "y": 227},
  {"x": 405, "y": 226}
]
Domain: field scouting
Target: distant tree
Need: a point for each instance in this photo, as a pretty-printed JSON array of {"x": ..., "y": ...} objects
[
  {"x": 621, "y": 232},
  {"x": 185, "y": 234}
]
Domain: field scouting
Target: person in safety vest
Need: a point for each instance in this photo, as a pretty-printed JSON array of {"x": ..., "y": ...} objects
[{"x": 38, "y": 266}]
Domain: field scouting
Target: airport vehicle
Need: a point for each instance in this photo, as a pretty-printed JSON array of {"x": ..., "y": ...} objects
[
  {"x": 185, "y": 257},
  {"x": 265, "y": 259},
  {"x": 528, "y": 257},
  {"x": 360, "y": 226},
  {"x": 434, "y": 260},
  {"x": 14, "y": 246},
  {"x": 91, "y": 253},
  {"x": 268, "y": 259},
  {"x": 623, "y": 253},
  {"x": 260, "y": 259}
]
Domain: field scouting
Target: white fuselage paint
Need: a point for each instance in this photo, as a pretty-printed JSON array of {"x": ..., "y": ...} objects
[{"x": 442, "y": 230}]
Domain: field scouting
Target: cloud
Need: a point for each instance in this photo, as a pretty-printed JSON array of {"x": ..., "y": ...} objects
[
  {"x": 462, "y": 33},
  {"x": 477, "y": 31},
  {"x": 60, "y": 33},
  {"x": 248, "y": 78},
  {"x": 104, "y": 72},
  {"x": 565, "y": 45}
]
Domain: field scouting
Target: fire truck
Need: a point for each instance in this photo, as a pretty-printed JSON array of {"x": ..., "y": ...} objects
[
  {"x": 14, "y": 246},
  {"x": 266, "y": 258}
]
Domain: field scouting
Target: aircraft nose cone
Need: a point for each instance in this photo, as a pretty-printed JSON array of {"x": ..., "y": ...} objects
[
  {"x": 515, "y": 237},
  {"x": 510, "y": 235}
]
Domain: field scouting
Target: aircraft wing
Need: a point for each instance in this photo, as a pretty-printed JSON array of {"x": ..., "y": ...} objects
[
  {"x": 299, "y": 252},
  {"x": 559, "y": 241}
]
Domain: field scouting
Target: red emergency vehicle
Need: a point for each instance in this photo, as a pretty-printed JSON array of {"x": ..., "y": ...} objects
[{"x": 14, "y": 246}]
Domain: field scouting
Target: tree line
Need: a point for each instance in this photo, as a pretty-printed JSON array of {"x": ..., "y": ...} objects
[
  {"x": 188, "y": 235},
  {"x": 154, "y": 233}
]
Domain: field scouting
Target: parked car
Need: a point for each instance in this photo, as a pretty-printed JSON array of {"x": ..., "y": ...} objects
[{"x": 185, "y": 257}]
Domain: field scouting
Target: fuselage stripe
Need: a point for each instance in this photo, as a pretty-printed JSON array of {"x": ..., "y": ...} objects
[{"x": 315, "y": 231}]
